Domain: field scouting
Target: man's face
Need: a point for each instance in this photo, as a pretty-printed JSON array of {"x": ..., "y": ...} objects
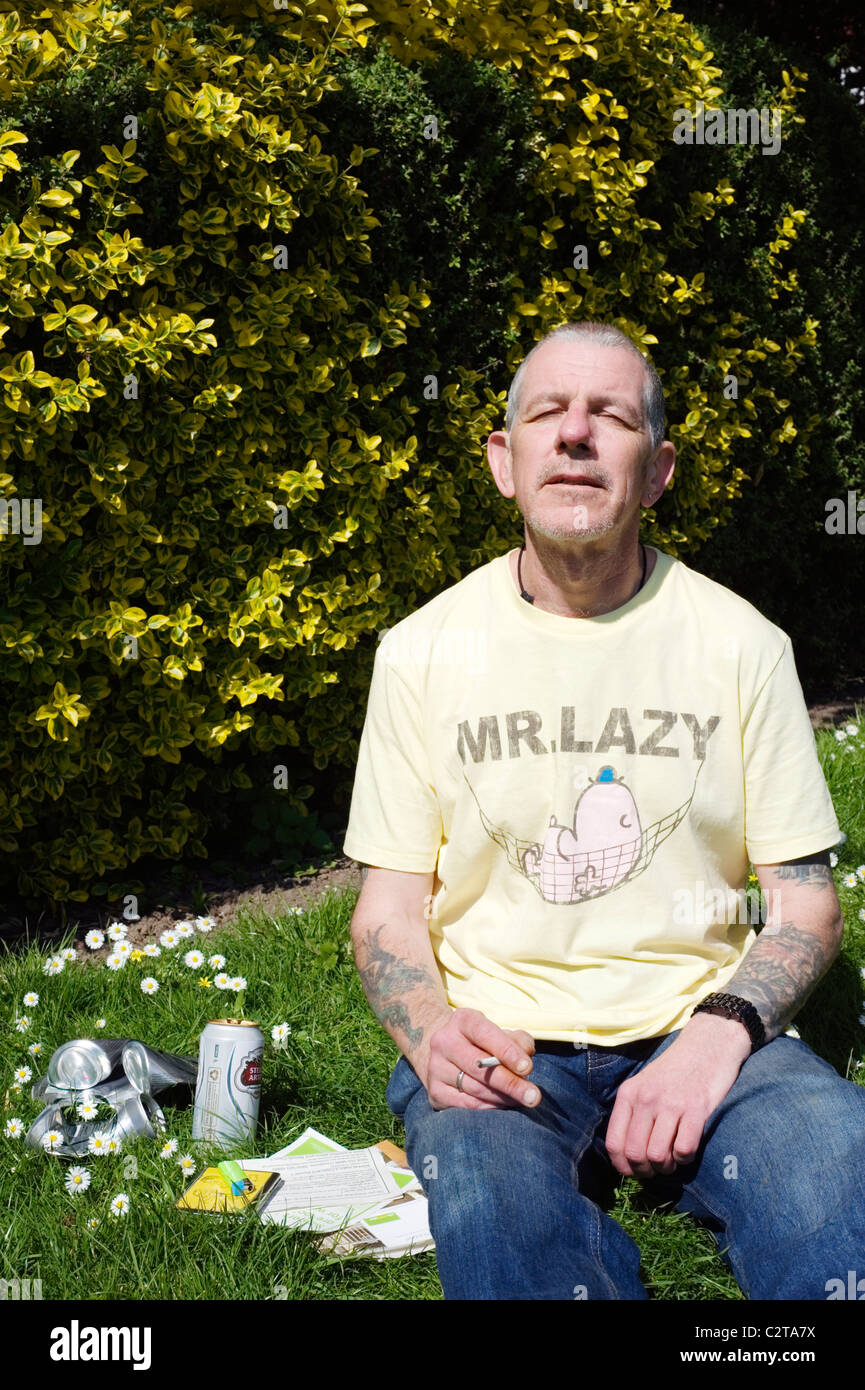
[{"x": 575, "y": 460}]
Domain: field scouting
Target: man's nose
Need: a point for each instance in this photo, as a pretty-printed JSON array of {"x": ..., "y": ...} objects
[{"x": 575, "y": 426}]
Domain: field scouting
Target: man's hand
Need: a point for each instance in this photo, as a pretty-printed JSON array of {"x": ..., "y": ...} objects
[
  {"x": 458, "y": 1045},
  {"x": 659, "y": 1114}
]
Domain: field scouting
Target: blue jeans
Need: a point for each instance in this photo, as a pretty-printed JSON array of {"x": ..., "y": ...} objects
[{"x": 516, "y": 1195}]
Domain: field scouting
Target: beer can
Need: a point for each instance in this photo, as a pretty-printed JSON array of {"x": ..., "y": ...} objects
[{"x": 228, "y": 1088}]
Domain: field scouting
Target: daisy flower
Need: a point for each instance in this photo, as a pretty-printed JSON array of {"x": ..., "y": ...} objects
[
  {"x": 187, "y": 1163},
  {"x": 112, "y": 1145},
  {"x": 16, "y": 1088},
  {"x": 98, "y": 1145},
  {"x": 69, "y": 954},
  {"x": 194, "y": 959},
  {"x": 852, "y": 729},
  {"x": 217, "y": 962},
  {"x": 850, "y": 880},
  {"x": 94, "y": 939},
  {"x": 14, "y": 1128},
  {"x": 34, "y": 1049},
  {"x": 88, "y": 1109},
  {"x": 237, "y": 983},
  {"x": 860, "y": 873},
  {"x": 152, "y": 950},
  {"x": 149, "y": 985},
  {"x": 123, "y": 948},
  {"x": 204, "y": 982},
  {"x": 185, "y": 930},
  {"x": 841, "y": 735},
  {"x": 52, "y": 1140},
  {"x": 23, "y": 1075},
  {"x": 168, "y": 1148},
  {"x": 93, "y": 1223},
  {"x": 169, "y": 939},
  {"x": 114, "y": 961},
  {"x": 205, "y": 924},
  {"x": 100, "y": 1023},
  {"x": 119, "y": 1204},
  {"x": 77, "y": 1180},
  {"x": 833, "y": 858},
  {"x": 222, "y": 981},
  {"x": 31, "y": 1000},
  {"x": 117, "y": 931},
  {"x": 279, "y": 1033},
  {"x": 54, "y": 965},
  {"x": 22, "y": 1024}
]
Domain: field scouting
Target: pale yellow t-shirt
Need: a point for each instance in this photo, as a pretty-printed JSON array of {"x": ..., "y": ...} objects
[{"x": 589, "y": 792}]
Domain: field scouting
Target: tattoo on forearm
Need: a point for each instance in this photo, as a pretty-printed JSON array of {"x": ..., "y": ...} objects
[
  {"x": 780, "y": 971},
  {"x": 386, "y": 979}
]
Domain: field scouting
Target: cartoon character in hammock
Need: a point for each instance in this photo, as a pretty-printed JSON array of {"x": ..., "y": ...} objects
[{"x": 597, "y": 854}]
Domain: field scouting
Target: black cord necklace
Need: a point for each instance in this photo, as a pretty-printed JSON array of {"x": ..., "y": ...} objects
[{"x": 529, "y": 598}]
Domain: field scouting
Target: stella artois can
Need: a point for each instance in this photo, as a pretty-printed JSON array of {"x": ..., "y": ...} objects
[{"x": 228, "y": 1089}]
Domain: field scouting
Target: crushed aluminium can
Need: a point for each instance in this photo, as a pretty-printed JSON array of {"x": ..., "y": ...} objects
[{"x": 228, "y": 1089}]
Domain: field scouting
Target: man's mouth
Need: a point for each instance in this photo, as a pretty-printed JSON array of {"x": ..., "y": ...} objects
[{"x": 573, "y": 480}]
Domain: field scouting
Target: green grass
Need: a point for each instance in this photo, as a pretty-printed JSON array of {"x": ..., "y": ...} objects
[{"x": 332, "y": 1075}]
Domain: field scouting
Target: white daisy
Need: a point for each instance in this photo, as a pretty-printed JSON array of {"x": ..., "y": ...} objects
[
  {"x": 194, "y": 959},
  {"x": 98, "y": 1145},
  {"x": 94, "y": 939},
  {"x": 93, "y": 1222},
  {"x": 852, "y": 729},
  {"x": 205, "y": 924},
  {"x": 217, "y": 962},
  {"x": 88, "y": 1108},
  {"x": 850, "y": 880},
  {"x": 113, "y": 1145},
  {"x": 793, "y": 1033},
  {"x": 16, "y": 1088},
  {"x": 151, "y": 949},
  {"x": 54, "y": 965},
  {"x": 119, "y": 1204},
  {"x": 222, "y": 981},
  {"x": 23, "y": 1075},
  {"x": 100, "y": 1023},
  {"x": 860, "y": 873},
  {"x": 31, "y": 1000},
  {"x": 77, "y": 1180},
  {"x": 69, "y": 954},
  {"x": 14, "y": 1128},
  {"x": 123, "y": 948},
  {"x": 117, "y": 931},
  {"x": 52, "y": 1141},
  {"x": 168, "y": 1148},
  {"x": 237, "y": 983},
  {"x": 279, "y": 1033},
  {"x": 34, "y": 1049},
  {"x": 149, "y": 985},
  {"x": 187, "y": 1163},
  {"x": 114, "y": 961},
  {"x": 169, "y": 939},
  {"x": 22, "y": 1024},
  {"x": 841, "y": 735},
  {"x": 185, "y": 930}
]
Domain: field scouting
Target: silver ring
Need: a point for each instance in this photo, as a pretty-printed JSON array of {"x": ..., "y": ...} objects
[{"x": 460, "y": 1076}]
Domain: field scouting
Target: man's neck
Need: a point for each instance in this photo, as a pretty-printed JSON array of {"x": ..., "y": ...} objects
[{"x": 580, "y": 585}]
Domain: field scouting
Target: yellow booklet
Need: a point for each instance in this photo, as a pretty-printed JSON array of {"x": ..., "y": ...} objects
[{"x": 209, "y": 1192}]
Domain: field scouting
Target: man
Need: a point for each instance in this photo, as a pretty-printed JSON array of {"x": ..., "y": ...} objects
[{"x": 568, "y": 759}]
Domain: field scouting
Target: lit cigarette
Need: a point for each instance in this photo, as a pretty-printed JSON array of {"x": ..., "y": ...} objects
[{"x": 489, "y": 1062}]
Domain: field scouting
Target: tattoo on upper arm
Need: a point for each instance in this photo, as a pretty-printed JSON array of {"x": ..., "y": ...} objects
[
  {"x": 386, "y": 978},
  {"x": 813, "y": 871}
]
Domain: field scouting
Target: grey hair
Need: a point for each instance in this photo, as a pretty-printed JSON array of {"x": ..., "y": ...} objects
[{"x": 605, "y": 335}]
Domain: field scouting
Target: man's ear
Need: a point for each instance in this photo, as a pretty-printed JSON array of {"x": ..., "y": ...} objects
[{"x": 501, "y": 463}]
